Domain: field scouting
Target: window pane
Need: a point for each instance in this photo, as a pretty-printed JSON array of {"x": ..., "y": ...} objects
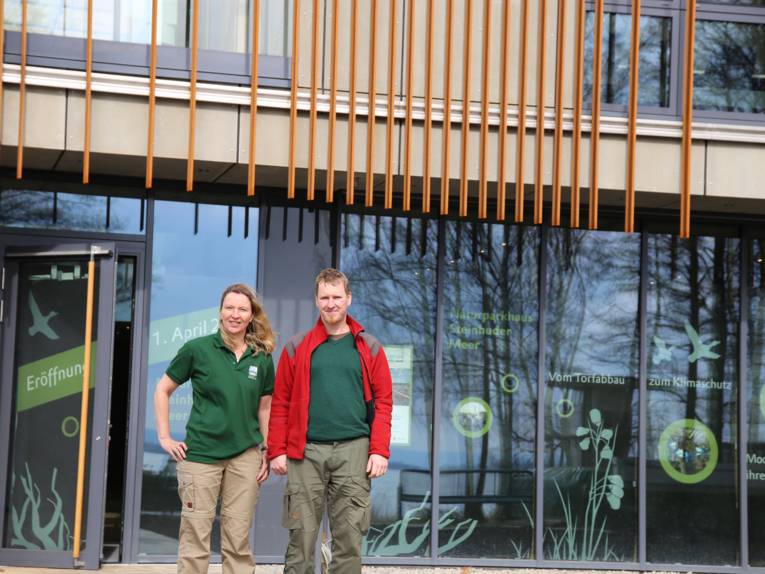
[
  {"x": 189, "y": 272},
  {"x": 223, "y": 26},
  {"x": 692, "y": 330},
  {"x": 755, "y": 456},
  {"x": 591, "y": 399},
  {"x": 391, "y": 265},
  {"x": 70, "y": 211},
  {"x": 488, "y": 405},
  {"x": 729, "y": 67},
  {"x": 654, "y": 67}
]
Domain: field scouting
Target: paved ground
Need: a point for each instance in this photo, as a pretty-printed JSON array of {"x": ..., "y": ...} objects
[{"x": 272, "y": 569}]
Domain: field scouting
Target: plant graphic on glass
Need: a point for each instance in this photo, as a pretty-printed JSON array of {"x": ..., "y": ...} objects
[
  {"x": 588, "y": 542},
  {"x": 393, "y": 541},
  {"x": 29, "y": 520}
]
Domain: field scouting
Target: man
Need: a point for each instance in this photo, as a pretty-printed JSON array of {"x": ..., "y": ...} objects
[{"x": 330, "y": 429}]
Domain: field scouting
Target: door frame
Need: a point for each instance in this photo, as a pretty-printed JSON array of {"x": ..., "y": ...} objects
[{"x": 93, "y": 528}]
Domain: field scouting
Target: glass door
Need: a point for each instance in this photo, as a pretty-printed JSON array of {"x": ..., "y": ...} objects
[{"x": 52, "y": 486}]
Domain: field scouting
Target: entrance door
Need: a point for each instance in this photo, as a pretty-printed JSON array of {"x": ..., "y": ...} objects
[{"x": 49, "y": 516}]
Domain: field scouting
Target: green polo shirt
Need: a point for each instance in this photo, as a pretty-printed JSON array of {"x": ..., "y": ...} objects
[
  {"x": 337, "y": 410},
  {"x": 224, "y": 415}
]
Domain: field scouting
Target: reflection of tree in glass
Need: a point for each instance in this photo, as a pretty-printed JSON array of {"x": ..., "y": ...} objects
[
  {"x": 654, "y": 67},
  {"x": 756, "y": 415},
  {"x": 490, "y": 304},
  {"x": 730, "y": 64},
  {"x": 591, "y": 329},
  {"x": 694, "y": 281}
]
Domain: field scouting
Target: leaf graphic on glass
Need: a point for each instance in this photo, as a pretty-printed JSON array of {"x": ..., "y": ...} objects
[
  {"x": 28, "y": 520},
  {"x": 393, "y": 540},
  {"x": 588, "y": 542}
]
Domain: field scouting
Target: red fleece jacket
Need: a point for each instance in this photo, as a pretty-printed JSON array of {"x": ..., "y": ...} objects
[{"x": 288, "y": 424}]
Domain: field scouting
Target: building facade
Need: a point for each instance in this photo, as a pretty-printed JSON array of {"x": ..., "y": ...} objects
[{"x": 578, "y": 359}]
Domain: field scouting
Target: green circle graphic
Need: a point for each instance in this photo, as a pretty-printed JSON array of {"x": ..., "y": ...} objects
[
  {"x": 472, "y": 417},
  {"x": 688, "y": 451},
  {"x": 561, "y": 407},
  {"x": 514, "y": 383},
  {"x": 70, "y": 426}
]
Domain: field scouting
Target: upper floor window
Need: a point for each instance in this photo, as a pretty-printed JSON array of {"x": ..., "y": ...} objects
[
  {"x": 223, "y": 26},
  {"x": 729, "y": 67}
]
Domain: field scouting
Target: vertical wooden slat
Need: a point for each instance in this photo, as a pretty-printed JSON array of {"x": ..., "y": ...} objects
[
  {"x": 409, "y": 94},
  {"x": 22, "y": 91},
  {"x": 311, "y": 186},
  {"x": 88, "y": 88},
  {"x": 685, "y": 173},
  {"x": 560, "y": 78},
  {"x": 576, "y": 135},
  {"x": 253, "y": 96},
  {"x": 350, "y": 172},
  {"x": 330, "y": 191},
  {"x": 597, "y": 63},
  {"x": 370, "y": 191},
  {"x": 520, "y": 149},
  {"x": 293, "y": 98},
  {"x": 79, "y": 497},
  {"x": 391, "y": 124},
  {"x": 465, "y": 140},
  {"x": 152, "y": 96},
  {"x": 193, "y": 95},
  {"x": 483, "y": 192},
  {"x": 428, "y": 127},
  {"x": 447, "y": 124},
  {"x": 629, "y": 203},
  {"x": 503, "y": 101},
  {"x": 539, "y": 136}
]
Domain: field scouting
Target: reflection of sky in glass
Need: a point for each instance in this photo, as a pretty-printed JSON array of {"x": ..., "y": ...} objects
[
  {"x": 593, "y": 302},
  {"x": 76, "y": 212},
  {"x": 190, "y": 272}
]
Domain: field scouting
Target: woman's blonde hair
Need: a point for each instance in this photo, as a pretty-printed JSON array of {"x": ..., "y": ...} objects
[{"x": 259, "y": 334}]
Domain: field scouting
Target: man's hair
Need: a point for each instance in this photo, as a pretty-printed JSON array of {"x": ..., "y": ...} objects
[{"x": 332, "y": 276}]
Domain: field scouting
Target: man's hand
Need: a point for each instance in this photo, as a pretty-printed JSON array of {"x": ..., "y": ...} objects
[
  {"x": 263, "y": 472},
  {"x": 174, "y": 448},
  {"x": 279, "y": 464},
  {"x": 376, "y": 466}
]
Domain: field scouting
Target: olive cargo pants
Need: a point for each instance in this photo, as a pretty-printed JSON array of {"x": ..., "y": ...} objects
[
  {"x": 336, "y": 471},
  {"x": 199, "y": 486}
]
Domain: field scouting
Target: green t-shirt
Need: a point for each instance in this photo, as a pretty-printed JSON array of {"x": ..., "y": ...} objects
[
  {"x": 337, "y": 410},
  {"x": 226, "y": 394}
]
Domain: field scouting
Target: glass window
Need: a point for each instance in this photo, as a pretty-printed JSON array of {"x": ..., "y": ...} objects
[
  {"x": 653, "y": 70},
  {"x": 195, "y": 257},
  {"x": 488, "y": 404},
  {"x": 729, "y": 67},
  {"x": 71, "y": 211},
  {"x": 223, "y": 26},
  {"x": 591, "y": 396},
  {"x": 755, "y": 455},
  {"x": 692, "y": 332},
  {"x": 391, "y": 265}
]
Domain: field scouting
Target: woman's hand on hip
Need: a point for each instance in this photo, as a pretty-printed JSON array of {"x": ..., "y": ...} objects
[{"x": 176, "y": 449}]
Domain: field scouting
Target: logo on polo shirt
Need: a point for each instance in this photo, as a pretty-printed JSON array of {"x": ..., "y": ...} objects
[{"x": 253, "y": 372}]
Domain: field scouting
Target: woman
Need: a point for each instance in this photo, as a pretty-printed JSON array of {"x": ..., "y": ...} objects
[{"x": 232, "y": 378}]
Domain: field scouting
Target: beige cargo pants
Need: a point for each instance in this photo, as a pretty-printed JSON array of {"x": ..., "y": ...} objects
[
  {"x": 336, "y": 471},
  {"x": 199, "y": 486}
]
